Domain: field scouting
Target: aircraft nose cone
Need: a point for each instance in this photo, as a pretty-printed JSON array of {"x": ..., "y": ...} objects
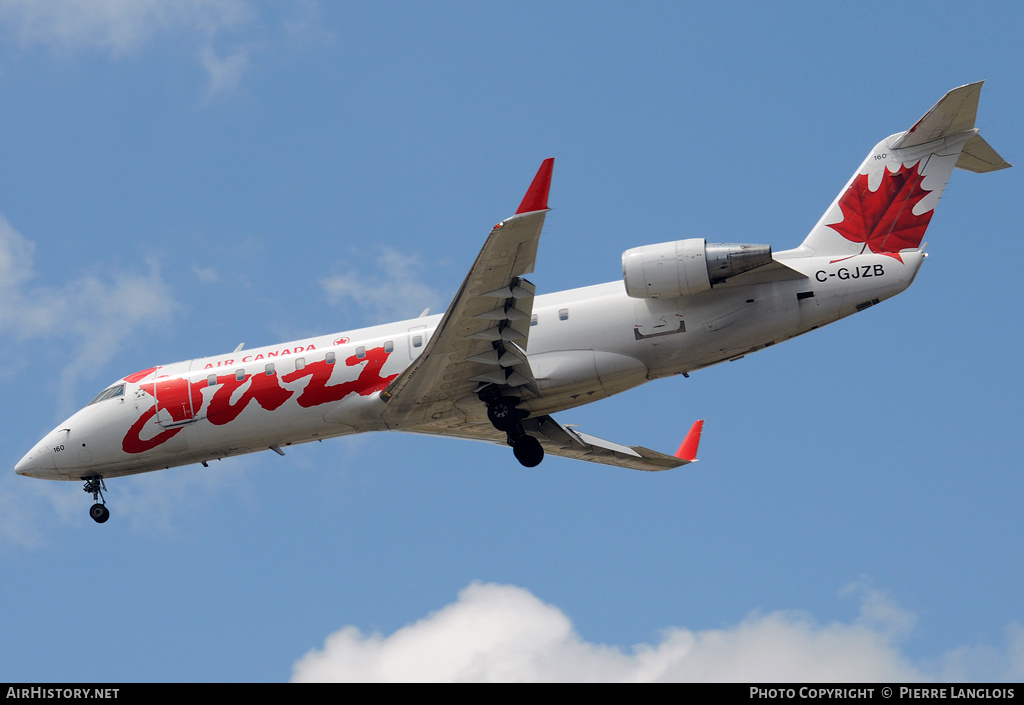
[
  {"x": 36, "y": 463},
  {"x": 27, "y": 464}
]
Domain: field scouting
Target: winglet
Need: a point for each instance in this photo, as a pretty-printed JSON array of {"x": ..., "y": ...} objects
[
  {"x": 688, "y": 450},
  {"x": 536, "y": 198}
]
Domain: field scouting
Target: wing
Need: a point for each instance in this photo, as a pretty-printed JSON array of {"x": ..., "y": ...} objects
[
  {"x": 567, "y": 442},
  {"x": 481, "y": 342},
  {"x": 482, "y": 337}
]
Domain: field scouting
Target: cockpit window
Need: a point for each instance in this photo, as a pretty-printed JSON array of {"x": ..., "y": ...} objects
[{"x": 115, "y": 391}]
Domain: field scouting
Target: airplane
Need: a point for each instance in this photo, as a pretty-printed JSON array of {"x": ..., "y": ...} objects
[{"x": 502, "y": 359}]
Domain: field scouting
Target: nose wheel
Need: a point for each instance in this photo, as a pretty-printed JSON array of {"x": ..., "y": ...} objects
[{"x": 98, "y": 511}]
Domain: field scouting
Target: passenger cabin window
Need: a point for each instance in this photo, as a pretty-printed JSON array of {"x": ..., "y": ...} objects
[
  {"x": 533, "y": 320},
  {"x": 240, "y": 375},
  {"x": 360, "y": 352},
  {"x": 389, "y": 346},
  {"x": 269, "y": 368},
  {"x": 211, "y": 380},
  {"x": 417, "y": 341},
  {"x": 300, "y": 363},
  {"x": 330, "y": 358},
  {"x": 563, "y": 314},
  {"x": 109, "y": 393}
]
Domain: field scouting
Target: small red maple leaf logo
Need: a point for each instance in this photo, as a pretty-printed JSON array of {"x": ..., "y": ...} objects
[{"x": 884, "y": 219}]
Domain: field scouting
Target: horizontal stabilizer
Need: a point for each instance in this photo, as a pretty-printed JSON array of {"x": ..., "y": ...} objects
[
  {"x": 955, "y": 113},
  {"x": 979, "y": 157}
]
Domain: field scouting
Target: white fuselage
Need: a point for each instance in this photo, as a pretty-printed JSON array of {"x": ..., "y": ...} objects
[{"x": 586, "y": 344}]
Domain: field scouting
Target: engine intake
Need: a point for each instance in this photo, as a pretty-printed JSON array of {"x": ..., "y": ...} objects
[{"x": 684, "y": 267}]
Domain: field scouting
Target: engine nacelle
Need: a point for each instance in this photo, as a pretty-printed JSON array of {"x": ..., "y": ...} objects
[{"x": 673, "y": 269}]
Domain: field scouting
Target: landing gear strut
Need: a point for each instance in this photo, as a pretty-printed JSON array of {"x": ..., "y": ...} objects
[
  {"x": 99, "y": 512},
  {"x": 504, "y": 416}
]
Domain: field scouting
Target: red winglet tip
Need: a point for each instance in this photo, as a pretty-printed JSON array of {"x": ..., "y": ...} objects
[
  {"x": 536, "y": 198},
  {"x": 688, "y": 449}
]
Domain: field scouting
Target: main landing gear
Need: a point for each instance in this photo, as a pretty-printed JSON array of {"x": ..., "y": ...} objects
[
  {"x": 527, "y": 449},
  {"x": 504, "y": 416},
  {"x": 99, "y": 512}
]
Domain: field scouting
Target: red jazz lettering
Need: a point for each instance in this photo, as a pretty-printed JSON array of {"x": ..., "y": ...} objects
[
  {"x": 317, "y": 391},
  {"x": 265, "y": 389},
  {"x": 183, "y": 401},
  {"x": 133, "y": 441}
]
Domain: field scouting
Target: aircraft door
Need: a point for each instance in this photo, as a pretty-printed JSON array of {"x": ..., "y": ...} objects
[{"x": 175, "y": 401}]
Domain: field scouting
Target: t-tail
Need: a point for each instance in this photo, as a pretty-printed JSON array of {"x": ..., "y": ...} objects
[{"x": 887, "y": 204}]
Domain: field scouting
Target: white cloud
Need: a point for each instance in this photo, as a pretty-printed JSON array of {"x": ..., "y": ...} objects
[
  {"x": 503, "y": 633},
  {"x": 93, "y": 317},
  {"x": 121, "y": 27},
  {"x": 117, "y": 26},
  {"x": 307, "y": 25},
  {"x": 207, "y": 275},
  {"x": 224, "y": 73},
  {"x": 151, "y": 504},
  {"x": 154, "y": 503},
  {"x": 393, "y": 292},
  {"x": 19, "y": 522},
  {"x": 88, "y": 318},
  {"x": 984, "y": 662}
]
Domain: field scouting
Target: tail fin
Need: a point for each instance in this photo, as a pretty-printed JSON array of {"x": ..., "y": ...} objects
[{"x": 887, "y": 204}]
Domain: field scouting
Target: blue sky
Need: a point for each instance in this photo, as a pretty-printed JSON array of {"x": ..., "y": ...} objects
[{"x": 181, "y": 177}]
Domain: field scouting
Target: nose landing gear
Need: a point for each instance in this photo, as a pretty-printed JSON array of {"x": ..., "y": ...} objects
[{"x": 99, "y": 512}]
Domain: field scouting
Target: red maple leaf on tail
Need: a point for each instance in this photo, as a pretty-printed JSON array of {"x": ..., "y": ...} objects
[{"x": 884, "y": 220}]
